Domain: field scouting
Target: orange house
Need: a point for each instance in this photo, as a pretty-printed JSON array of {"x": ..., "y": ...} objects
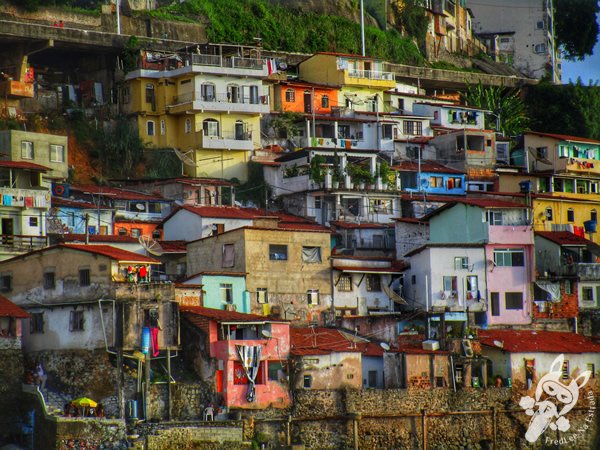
[
  {"x": 137, "y": 228},
  {"x": 301, "y": 97}
]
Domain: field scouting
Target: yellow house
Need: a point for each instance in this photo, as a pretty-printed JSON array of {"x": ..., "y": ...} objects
[
  {"x": 362, "y": 79},
  {"x": 206, "y": 105},
  {"x": 554, "y": 213}
]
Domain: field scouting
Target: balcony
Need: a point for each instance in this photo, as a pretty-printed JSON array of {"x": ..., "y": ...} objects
[
  {"x": 16, "y": 89},
  {"x": 220, "y": 102},
  {"x": 40, "y": 198},
  {"x": 227, "y": 141},
  {"x": 579, "y": 165},
  {"x": 142, "y": 291},
  {"x": 14, "y": 243},
  {"x": 223, "y": 65},
  {"x": 371, "y": 78}
]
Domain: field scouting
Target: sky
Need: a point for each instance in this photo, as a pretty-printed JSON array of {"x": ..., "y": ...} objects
[{"x": 587, "y": 69}]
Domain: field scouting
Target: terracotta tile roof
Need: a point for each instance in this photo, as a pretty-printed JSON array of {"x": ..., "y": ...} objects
[
  {"x": 411, "y": 220},
  {"x": 23, "y": 165},
  {"x": 73, "y": 237},
  {"x": 9, "y": 309},
  {"x": 564, "y": 238},
  {"x": 355, "y": 225},
  {"x": 220, "y": 315},
  {"x": 366, "y": 269},
  {"x": 111, "y": 252},
  {"x": 115, "y": 193},
  {"x": 526, "y": 341},
  {"x": 564, "y": 137},
  {"x": 297, "y": 226},
  {"x": 322, "y": 341},
  {"x": 426, "y": 166},
  {"x": 61, "y": 201},
  {"x": 173, "y": 246}
]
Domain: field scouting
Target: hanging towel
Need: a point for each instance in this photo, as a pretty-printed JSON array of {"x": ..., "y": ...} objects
[
  {"x": 347, "y": 144},
  {"x": 29, "y": 202},
  {"x": 154, "y": 339},
  {"x": 7, "y": 200}
]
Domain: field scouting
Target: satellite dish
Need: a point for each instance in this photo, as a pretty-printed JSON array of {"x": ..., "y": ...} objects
[
  {"x": 140, "y": 206},
  {"x": 185, "y": 157},
  {"x": 266, "y": 334},
  {"x": 499, "y": 344},
  {"x": 282, "y": 66},
  {"x": 150, "y": 245},
  {"x": 385, "y": 346}
]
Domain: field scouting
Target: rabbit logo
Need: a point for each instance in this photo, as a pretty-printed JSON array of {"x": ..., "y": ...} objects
[{"x": 558, "y": 400}]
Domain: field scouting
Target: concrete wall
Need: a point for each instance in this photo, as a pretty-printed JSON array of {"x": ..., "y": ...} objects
[
  {"x": 473, "y": 227},
  {"x": 187, "y": 226},
  {"x": 330, "y": 371}
]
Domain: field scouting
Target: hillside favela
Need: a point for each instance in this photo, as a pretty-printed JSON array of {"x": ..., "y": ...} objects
[{"x": 299, "y": 224}]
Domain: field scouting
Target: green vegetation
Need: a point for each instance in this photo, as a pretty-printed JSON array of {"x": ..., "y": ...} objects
[
  {"x": 240, "y": 21},
  {"x": 120, "y": 149},
  {"x": 576, "y": 27},
  {"x": 411, "y": 17},
  {"x": 509, "y": 112},
  {"x": 255, "y": 190},
  {"x": 75, "y": 5},
  {"x": 572, "y": 109}
]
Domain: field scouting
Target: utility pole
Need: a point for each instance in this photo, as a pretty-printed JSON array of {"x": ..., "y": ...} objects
[
  {"x": 362, "y": 26},
  {"x": 87, "y": 229},
  {"x": 118, "y": 7}
]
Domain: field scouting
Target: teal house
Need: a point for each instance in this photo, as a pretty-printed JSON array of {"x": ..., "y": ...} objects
[{"x": 221, "y": 290}]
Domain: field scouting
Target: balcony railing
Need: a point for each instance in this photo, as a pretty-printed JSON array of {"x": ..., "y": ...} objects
[
  {"x": 143, "y": 291},
  {"x": 221, "y": 98},
  {"x": 230, "y": 62},
  {"x": 15, "y": 242},
  {"x": 371, "y": 74}
]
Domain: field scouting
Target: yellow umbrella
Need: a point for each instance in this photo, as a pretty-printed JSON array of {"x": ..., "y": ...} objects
[{"x": 82, "y": 402}]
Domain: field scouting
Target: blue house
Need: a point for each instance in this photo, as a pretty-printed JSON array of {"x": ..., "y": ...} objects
[
  {"x": 221, "y": 290},
  {"x": 69, "y": 216},
  {"x": 430, "y": 177}
]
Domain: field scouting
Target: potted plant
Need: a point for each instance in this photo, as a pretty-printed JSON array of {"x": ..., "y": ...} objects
[
  {"x": 360, "y": 175},
  {"x": 384, "y": 173},
  {"x": 317, "y": 171}
]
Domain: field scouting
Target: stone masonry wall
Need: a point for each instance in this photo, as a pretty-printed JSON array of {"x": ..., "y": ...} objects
[{"x": 11, "y": 376}]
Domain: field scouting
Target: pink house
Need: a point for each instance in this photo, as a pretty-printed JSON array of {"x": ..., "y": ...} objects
[{"x": 245, "y": 356}]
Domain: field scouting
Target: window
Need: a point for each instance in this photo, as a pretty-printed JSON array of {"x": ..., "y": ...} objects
[
  {"x": 413, "y": 279},
  {"x": 594, "y": 215},
  {"x": 539, "y": 48},
  {"x": 325, "y": 101},
  {"x": 436, "y": 181},
  {"x": 539, "y": 24},
  {"x": 514, "y": 300},
  {"x": 549, "y": 214},
  {"x": 311, "y": 255},
  {"x": 387, "y": 131},
  {"x": 276, "y": 371},
  {"x": 155, "y": 234},
  {"x": 413, "y": 127},
  {"x": 36, "y": 323},
  {"x": 570, "y": 215},
  {"x": 461, "y": 262},
  {"x": 372, "y": 378},
  {"x": 373, "y": 283},
  {"x": 307, "y": 381},
  {"x": 228, "y": 255},
  {"x": 450, "y": 284},
  {"x": 5, "y": 283},
  {"x": 84, "y": 277},
  {"x": 136, "y": 232},
  {"x": 76, "y": 321},
  {"x": 344, "y": 283},
  {"x": 565, "y": 370},
  {"x": 163, "y": 127},
  {"x": 207, "y": 91},
  {"x": 188, "y": 126},
  {"x": 278, "y": 252},
  {"x": 495, "y": 303},
  {"x": 210, "y": 127},
  {"x": 494, "y": 217},
  {"x": 587, "y": 294},
  {"x": 400, "y": 103},
  {"x": 563, "y": 151},
  {"x": 568, "y": 287},
  {"x": 149, "y": 93},
  {"x": 33, "y": 221},
  {"x": 542, "y": 152},
  {"x": 262, "y": 295},
  {"x": 472, "y": 287},
  {"x": 318, "y": 202},
  {"x": 226, "y": 292},
  {"x": 49, "y": 281},
  {"x": 290, "y": 95},
  {"x": 313, "y": 297},
  {"x": 509, "y": 257},
  {"x": 454, "y": 183},
  {"x": 150, "y": 127},
  {"x": 26, "y": 150},
  {"x": 122, "y": 231},
  {"x": 57, "y": 153}
]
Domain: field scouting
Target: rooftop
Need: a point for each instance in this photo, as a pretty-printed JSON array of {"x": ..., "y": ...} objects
[
  {"x": 524, "y": 341},
  {"x": 9, "y": 309},
  {"x": 23, "y": 165},
  {"x": 116, "y": 193},
  {"x": 426, "y": 166},
  {"x": 564, "y": 238},
  {"x": 223, "y": 316},
  {"x": 564, "y": 137},
  {"x": 322, "y": 341}
]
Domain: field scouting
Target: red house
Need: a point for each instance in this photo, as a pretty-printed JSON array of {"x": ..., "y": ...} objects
[
  {"x": 244, "y": 355},
  {"x": 10, "y": 325}
]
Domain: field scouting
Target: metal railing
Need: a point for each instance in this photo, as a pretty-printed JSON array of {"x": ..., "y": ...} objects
[
  {"x": 371, "y": 74},
  {"x": 21, "y": 242},
  {"x": 221, "y": 98},
  {"x": 229, "y": 62},
  {"x": 244, "y": 136}
]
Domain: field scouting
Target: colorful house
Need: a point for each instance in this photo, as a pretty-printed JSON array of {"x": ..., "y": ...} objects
[
  {"x": 219, "y": 290},
  {"x": 302, "y": 97},
  {"x": 71, "y": 216},
  {"x": 361, "y": 79},
  {"x": 244, "y": 356},
  {"x": 287, "y": 266},
  {"x": 208, "y": 107},
  {"x": 430, "y": 177},
  {"x": 11, "y": 322},
  {"x": 525, "y": 356}
]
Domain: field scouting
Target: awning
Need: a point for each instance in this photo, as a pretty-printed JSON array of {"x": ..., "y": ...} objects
[{"x": 552, "y": 288}]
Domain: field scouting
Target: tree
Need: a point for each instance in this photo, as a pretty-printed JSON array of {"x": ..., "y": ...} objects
[
  {"x": 576, "y": 27},
  {"x": 121, "y": 149},
  {"x": 508, "y": 110}
]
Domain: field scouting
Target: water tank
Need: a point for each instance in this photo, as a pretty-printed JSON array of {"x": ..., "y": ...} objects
[
  {"x": 525, "y": 186},
  {"x": 589, "y": 226},
  {"x": 145, "y": 340}
]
